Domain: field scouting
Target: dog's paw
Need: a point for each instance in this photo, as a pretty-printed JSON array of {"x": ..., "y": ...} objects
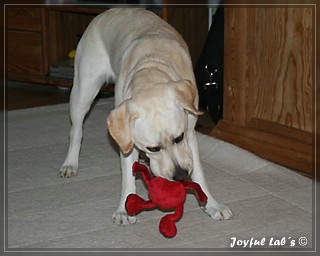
[
  {"x": 123, "y": 219},
  {"x": 68, "y": 171},
  {"x": 219, "y": 212}
]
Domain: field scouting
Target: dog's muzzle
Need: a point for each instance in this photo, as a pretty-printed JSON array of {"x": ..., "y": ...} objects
[{"x": 180, "y": 174}]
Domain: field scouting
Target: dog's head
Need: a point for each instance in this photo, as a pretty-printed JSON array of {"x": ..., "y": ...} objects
[{"x": 156, "y": 122}]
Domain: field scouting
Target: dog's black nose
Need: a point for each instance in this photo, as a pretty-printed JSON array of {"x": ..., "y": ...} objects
[{"x": 180, "y": 174}]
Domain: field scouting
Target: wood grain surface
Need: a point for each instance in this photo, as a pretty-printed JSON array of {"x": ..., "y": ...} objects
[
  {"x": 280, "y": 66},
  {"x": 269, "y": 83}
]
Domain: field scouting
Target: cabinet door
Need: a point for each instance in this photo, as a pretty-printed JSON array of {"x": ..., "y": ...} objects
[
  {"x": 25, "y": 52},
  {"x": 24, "y": 18},
  {"x": 280, "y": 66},
  {"x": 269, "y": 83}
]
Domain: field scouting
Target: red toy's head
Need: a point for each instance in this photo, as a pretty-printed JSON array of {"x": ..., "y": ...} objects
[{"x": 164, "y": 194}]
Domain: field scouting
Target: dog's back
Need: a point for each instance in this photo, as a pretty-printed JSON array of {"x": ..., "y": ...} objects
[{"x": 129, "y": 26}]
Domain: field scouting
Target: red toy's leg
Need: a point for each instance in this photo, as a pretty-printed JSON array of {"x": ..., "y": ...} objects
[
  {"x": 202, "y": 197},
  {"x": 167, "y": 224},
  {"x": 136, "y": 204},
  {"x": 141, "y": 168},
  {"x": 167, "y": 227}
]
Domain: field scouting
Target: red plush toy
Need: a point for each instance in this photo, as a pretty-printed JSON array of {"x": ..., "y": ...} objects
[{"x": 165, "y": 194}]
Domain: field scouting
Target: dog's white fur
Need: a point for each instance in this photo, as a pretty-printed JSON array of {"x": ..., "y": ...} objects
[{"x": 155, "y": 96}]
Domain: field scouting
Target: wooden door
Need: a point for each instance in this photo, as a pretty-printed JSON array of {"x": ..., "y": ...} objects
[{"x": 268, "y": 93}]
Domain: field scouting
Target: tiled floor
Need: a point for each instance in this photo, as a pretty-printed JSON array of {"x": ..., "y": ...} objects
[{"x": 45, "y": 211}]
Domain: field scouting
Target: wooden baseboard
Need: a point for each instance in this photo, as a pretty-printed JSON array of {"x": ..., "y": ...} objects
[
  {"x": 47, "y": 80},
  {"x": 294, "y": 154},
  {"x": 38, "y": 79}
]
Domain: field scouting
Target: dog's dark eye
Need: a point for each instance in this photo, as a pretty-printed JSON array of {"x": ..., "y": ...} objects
[
  {"x": 178, "y": 139},
  {"x": 154, "y": 149}
]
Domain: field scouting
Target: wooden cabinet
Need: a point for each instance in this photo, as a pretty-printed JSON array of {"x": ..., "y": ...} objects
[
  {"x": 27, "y": 59},
  {"x": 38, "y": 36},
  {"x": 25, "y": 41},
  {"x": 24, "y": 19},
  {"x": 269, "y": 84}
]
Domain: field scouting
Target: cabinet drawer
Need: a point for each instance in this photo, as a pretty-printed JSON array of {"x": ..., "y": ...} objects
[
  {"x": 25, "y": 53},
  {"x": 24, "y": 18}
]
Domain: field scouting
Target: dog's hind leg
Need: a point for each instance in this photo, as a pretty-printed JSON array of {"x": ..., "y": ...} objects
[{"x": 88, "y": 79}]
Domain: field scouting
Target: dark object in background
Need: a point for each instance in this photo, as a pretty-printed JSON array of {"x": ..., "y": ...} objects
[{"x": 209, "y": 69}]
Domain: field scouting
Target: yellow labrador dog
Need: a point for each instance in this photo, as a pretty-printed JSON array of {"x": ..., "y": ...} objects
[{"x": 155, "y": 96}]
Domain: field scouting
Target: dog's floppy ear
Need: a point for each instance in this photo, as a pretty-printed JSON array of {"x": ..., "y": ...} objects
[
  {"x": 119, "y": 124},
  {"x": 186, "y": 96}
]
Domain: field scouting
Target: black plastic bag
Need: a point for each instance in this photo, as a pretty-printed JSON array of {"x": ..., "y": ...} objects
[{"x": 209, "y": 69}]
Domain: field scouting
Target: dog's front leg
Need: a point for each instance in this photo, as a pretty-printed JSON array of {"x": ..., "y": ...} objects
[
  {"x": 121, "y": 216},
  {"x": 213, "y": 208}
]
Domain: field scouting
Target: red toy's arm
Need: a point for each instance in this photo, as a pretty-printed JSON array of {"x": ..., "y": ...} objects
[
  {"x": 202, "y": 197},
  {"x": 141, "y": 168},
  {"x": 135, "y": 204}
]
